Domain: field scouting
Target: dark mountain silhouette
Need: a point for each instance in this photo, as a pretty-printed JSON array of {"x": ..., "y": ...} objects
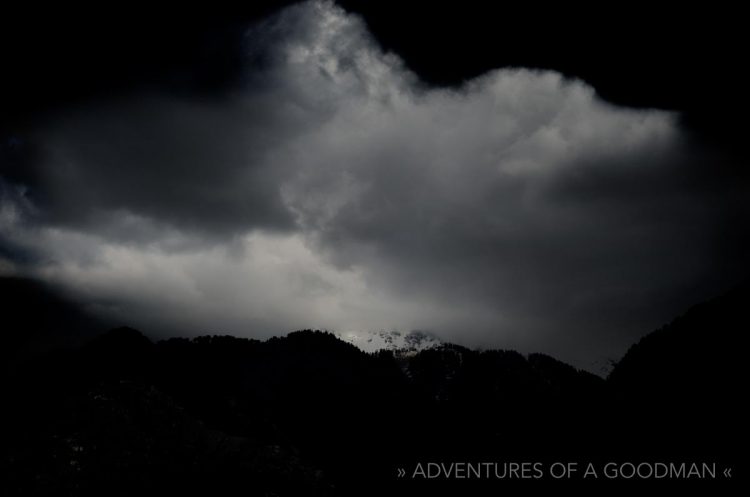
[
  {"x": 684, "y": 380},
  {"x": 309, "y": 414},
  {"x": 698, "y": 351},
  {"x": 36, "y": 319}
]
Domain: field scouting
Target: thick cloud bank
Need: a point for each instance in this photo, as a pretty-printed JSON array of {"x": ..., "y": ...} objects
[{"x": 336, "y": 191}]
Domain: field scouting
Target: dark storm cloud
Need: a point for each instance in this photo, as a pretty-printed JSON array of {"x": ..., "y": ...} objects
[
  {"x": 336, "y": 190},
  {"x": 189, "y": 164}
]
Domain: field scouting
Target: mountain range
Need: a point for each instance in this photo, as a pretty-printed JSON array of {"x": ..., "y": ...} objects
[{"x": 311, "y": 414}]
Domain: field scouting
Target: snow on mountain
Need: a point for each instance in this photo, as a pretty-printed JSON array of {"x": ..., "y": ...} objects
[{"x": 372, "y": 341}]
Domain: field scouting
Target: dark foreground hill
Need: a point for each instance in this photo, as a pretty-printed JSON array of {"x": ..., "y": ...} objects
[
  {"x": 309, "y": 414},
  {"x": 36, "y": 319}
]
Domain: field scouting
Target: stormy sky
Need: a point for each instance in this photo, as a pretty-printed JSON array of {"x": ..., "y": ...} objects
[{"x": 333, "y": 186}]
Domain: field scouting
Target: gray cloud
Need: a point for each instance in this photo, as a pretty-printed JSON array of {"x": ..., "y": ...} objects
[
  {"x": 336, "y": 191},
  {"x": 194, "y": 165}
]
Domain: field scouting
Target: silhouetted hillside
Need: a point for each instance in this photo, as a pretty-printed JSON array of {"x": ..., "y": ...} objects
[
  {"x": 689, "y": 377},
  {"x": 309, "y": 414},
  {"x": 36, "y": 319},
  {"x": 697, "y": 352}
]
